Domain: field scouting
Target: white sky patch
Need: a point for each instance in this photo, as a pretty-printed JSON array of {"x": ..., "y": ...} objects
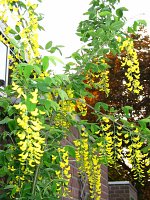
[
  {"x": 137, "y": 10},
  {"x": 61, "y": 20}
]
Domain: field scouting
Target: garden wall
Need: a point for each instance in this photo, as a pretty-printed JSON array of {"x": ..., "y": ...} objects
[{"x": 122, "y": 190}]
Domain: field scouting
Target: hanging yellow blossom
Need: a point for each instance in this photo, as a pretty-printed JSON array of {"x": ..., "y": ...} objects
[{"x": 133, "y": 72}]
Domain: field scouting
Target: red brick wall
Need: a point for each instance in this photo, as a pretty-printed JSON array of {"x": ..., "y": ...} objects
[
  {"x": 122, "y": 190},
  {"x": 104, "y": 182}
]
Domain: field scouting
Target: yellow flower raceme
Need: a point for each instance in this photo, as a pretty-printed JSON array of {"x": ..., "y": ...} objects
[
  {"x": 100, "y": 79},
  {"x": 133, "y": 72},
  {"x": 19, "y": 90},
  {"x": 64, "y": 172},
  {"x": 89, "y": 164},
  {"x": 81, "y": 105}
]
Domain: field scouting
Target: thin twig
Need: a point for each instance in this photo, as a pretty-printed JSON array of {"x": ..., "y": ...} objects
[{"x": 35, "y": 179}]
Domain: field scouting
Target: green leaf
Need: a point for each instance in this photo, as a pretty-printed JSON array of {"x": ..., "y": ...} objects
[
  {"x": 17, "y": 28},
  {"x": 22, "y": 53},
  {"x": 40, "y": 47},
  {"x": 27, "y": 186},
  {"x": 12, "y": 125},
  {"x": 42, "y": 86},
  {"x": 63, "y": 95},
  {"x": 9, "y": 187},
  {"x": 45, "y": 63},
  {"x": 11, "y": 110},
  {"x": 14, "y": 42},
  {"x": 91, "y": 66},
  {"x": 143, "y": 123},
  {"x": 3, "y": 171},
  {"x": 71, "y": 150},
  {"x": 54, "y": 105},
  {"x": 37, "y": 69},
  {"x": 53, "y": 49},
  {"x": 135, "y": 25},
  {"x": 27, "y": 71},
  {"x": 30, "y": 105},
  {"x": 76, "y": 56},
  {"x": 145, "y": 149},
  {"x": 68, "y": 66},
  {"x": 17, "y": 37},
  {"x": 46, "y": 103},
  {"x": 103, "y": 66},
  {"x": 41, "y": 28},
  {"x": 101, "y": 33},
  {"x": 130, "y": 30},
  {"x": 14, "y": 190},
  {"x": 98, "y": 105},
  {"x": 115, "y": 26},
  {"x": 49, "y": 104},
  {"x": 12, "y": 32},
  {"x": 5, "y": 120},
  {"x": 54, "y": 187},
  {"x": 126, "y": 110},
  {"x": 120, "y": 10},
  {"x": 53, "y": 59},
  {"x": 104, "y": 13},
  {"x": 21, "y": 4},
  {"x": 4, "y": 103},
  {"x": 48, "y": 45},
  {"x": 141, "y": 22}
]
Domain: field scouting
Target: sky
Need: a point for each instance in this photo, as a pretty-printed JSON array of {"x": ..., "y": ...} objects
[{"x": 61, "y": 19}]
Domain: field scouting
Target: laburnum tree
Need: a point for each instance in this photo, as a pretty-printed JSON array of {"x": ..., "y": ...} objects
[{"x": 38, "y": 107}]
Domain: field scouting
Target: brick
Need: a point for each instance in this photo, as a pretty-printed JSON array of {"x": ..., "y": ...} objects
[
  {"x": 75, "y": 132},
  {"x": 126, "y": 191},
  {"x": 74, "y": 182},
  {"x": 113, "y": 187},
  {"x": 121, "y": 191},
  {"x": 75, "y": 172},
  {"x": 104, "y": 195},
  {"x": 104, "y": 181},
  {"x": 104, "y": 189},
  {"x": 75, "y": 193},
  {"x": 104, "y": 168},
  {"x": 124, "y": 187},
  {"x": 113, "y": 195}
]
